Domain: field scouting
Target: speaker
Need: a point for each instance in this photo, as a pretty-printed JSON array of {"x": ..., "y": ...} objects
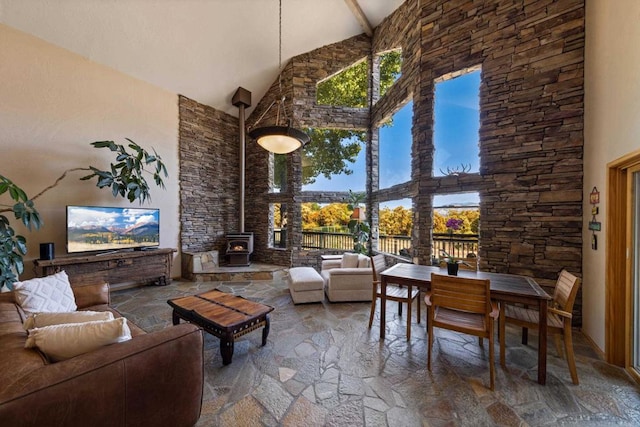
[{"x": 47, "y": 250}]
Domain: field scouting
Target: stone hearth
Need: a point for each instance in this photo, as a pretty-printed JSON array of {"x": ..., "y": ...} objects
[{"x": 229, "y": 273}]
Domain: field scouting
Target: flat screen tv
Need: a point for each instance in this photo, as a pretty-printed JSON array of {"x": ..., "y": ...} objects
[{"x": 95, "y": 228}]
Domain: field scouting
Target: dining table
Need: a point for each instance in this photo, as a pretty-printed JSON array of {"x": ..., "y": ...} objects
[{"x": 505, "y": 288}]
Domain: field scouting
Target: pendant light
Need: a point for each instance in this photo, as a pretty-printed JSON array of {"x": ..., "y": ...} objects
[{"x": 279, "y": 139}]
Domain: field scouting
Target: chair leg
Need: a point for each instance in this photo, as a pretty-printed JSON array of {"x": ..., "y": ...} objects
[
  {"x": 492, "y": 373},
  {"x": 400, "y": 308},
  {"x": 558, "y": 341},
  {"x": 373, "y": 311},
  {"x": 501, "y": 332},
  {"x": 419, "y": 304},
  {"x": 571, "y": 360},
  {"x": 430, "y": 333},
  {"x": 525, "y": 336},
  {"x": 408, "y": 321}
]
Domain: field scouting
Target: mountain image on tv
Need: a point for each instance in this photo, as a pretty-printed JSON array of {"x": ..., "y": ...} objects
[{"x": 92, "y": 228}]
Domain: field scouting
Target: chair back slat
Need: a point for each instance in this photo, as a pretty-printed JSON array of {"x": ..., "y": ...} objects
[
  {"x": 566, "y": 291},
  {"x": 461, "y": 293},
  {"x": 378, "y": 265}
]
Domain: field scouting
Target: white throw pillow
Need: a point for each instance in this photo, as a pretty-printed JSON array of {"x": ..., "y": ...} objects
[
  {"x": 349, "y": 260},
  {"x": 46, "y": 294},
  {"x": 40, "y": 320},
  {"x": 60, "y": 342}
]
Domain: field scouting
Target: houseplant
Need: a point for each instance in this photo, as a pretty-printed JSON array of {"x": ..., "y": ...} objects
[
  {"x": 358, "y": 227},
  {"x": 125, "y": 177},
  {"x": 453, "y": 224},
  {"x": 452, "y": 264}
]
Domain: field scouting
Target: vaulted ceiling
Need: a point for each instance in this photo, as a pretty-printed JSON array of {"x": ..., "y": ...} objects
[{"x": 203, "y": 49}]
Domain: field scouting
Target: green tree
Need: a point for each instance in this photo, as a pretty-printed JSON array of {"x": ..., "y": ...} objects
[
  {"x": 349, "y": 87},
  {"x": 470, "y": 219},
  {"x": 335, "y": 214},
  {"x": 345, "y": 89},
  {"x": 310, "y": 216},
  {"x": 333, "y": 151},
  {"x": 330, "y": 152},
  {"x": 396, "y": 222},
  {"x": 390, "y": 67}
]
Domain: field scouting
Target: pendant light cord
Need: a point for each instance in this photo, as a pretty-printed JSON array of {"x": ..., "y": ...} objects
[
  {"x": 282, "y": 98},
  {"x": 280, "y": 101}
]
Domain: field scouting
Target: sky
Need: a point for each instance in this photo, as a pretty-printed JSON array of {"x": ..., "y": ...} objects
[
  {"x": 83, "y": 216},
  {"x": 457, "y": 123}
]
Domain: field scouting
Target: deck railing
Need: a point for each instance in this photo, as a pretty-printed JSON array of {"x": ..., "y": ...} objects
[{"x": 456, "y": 245}]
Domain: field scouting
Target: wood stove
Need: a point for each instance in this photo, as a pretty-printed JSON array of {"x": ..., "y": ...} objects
[{"x": 239, "y": 248}]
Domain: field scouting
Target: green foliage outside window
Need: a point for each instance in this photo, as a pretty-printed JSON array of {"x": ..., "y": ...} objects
[
  {"x": 390, "y": 69},
  {"x": 346, "y": 89},
  {"x": 333, "y": 151},
  {"x": 470, "y": 220}
]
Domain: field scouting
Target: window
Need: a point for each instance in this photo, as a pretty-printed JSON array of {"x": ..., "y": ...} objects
[
  {"x": 395, "y": 148},
  {"x": 395, "y": 225},
  {"x": 390, "y": 69},
  {"x": 457, "y": 122},
  {"x": 278, "y": 216},
  {"x": 324, "y": 226},
  {"x": 334, "y": 160},
  {"x": 278, "y": 172},
  {"x": 348, "y": 88},
  {"x": 456, "y": 220}
]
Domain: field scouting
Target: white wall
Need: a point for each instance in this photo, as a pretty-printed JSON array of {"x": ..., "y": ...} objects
[
  {"x": 612, "y": 129},
  {"x": 53, "y": 104}
]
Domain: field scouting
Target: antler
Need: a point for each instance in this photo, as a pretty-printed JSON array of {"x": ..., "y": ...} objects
[{"x": 463, "y": 169}]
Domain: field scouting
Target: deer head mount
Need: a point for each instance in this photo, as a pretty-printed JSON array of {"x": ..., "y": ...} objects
[{"x": 456, "y": 171}]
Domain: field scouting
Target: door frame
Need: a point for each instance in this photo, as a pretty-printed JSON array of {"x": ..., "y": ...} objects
[{"x": 618, "y": 278}]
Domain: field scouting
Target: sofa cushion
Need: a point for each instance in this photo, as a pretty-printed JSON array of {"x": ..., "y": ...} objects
[
  {"x": 40, "y": 320},
  {"x": 349, "y": 260},
  {"x": 363, "y": 261},
  {"x": 60, "y": 342},
  {"x": 46, "y": 294}
]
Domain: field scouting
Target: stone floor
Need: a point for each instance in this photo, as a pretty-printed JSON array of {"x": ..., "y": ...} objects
[{"x": 322, "y": 366}]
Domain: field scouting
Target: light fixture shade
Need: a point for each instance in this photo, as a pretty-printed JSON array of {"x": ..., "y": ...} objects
[{"x": 279, "y": 139}]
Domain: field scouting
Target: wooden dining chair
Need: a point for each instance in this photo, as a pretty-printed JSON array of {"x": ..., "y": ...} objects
[
  {"x": 559, "y": 314},
  {"x": 463, "y": 305},
  {"x": 394, "y": 293}
]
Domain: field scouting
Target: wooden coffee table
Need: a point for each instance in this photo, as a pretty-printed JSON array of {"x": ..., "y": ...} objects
[{"x": 223, "y": 315}]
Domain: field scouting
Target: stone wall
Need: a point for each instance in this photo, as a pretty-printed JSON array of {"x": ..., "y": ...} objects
[
  {"x": 209, "y": 170},
  {"x": 531, "y": 132},
  {"x": 299, "y": 79},
  {"x": 531, "y": 54}
]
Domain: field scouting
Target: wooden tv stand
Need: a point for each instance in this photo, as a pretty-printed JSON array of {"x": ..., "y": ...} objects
[{"x": 125, "y": 268}]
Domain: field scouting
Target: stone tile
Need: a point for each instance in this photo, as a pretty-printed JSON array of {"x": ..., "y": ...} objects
[
  {"x": 402, "y": 417},
  {"x": 273, "y": 397},
  {"x": 286, "y": 374},
  {"x": 373, "y": 418},
  {"x": 348, "y": 414},
  {"x": 245, "y": 412},
  {"x": 304, "y": 413},
  {"x": 375, "y": 404},
  {"x": 323, "y": 363},
  {"x": 503, "y": 415}
]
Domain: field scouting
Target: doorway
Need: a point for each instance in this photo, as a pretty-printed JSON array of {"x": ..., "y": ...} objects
[{"x": 623, "y": 264}]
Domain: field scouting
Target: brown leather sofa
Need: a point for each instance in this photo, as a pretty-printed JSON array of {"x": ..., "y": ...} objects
[{"x": 154, "y": 379}]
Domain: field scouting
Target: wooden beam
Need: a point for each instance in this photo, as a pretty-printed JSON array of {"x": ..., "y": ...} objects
[{"x": 360, "y": 16}]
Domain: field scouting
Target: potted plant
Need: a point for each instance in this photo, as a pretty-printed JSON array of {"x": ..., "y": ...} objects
[
  {"x": 453, "y": 224},
  {"x": 358, "y": 227},
  {"x": 452, "y": 264},
  {"x": 355, "y": 199},
  {"x": 125, "y": 178}
]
